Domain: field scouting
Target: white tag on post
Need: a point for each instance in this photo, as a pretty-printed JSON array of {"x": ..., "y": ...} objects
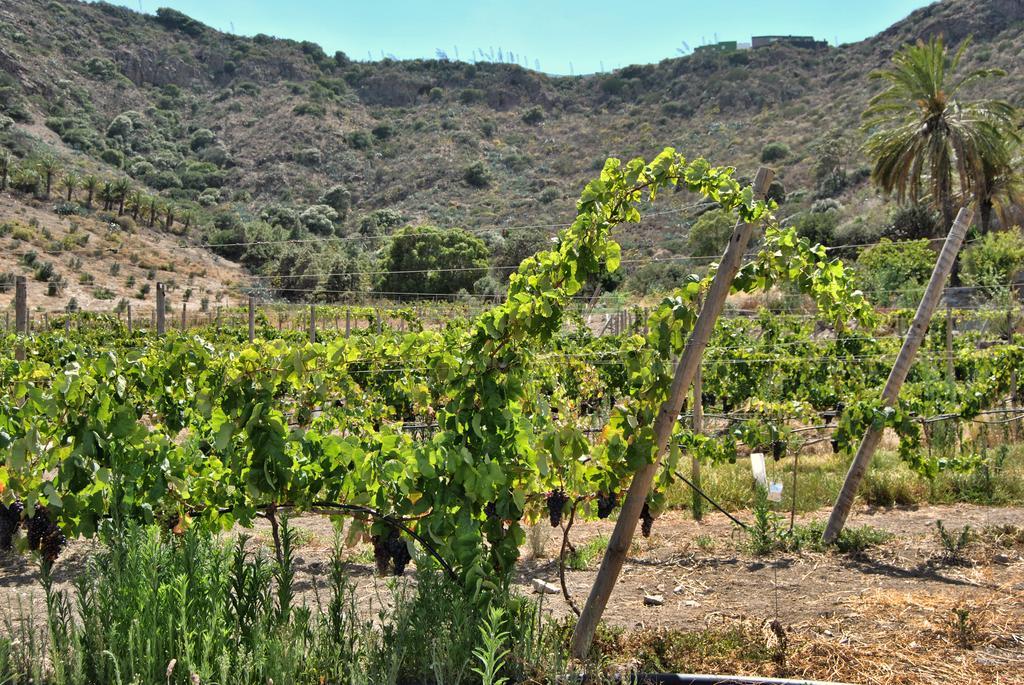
[{"x": 758, "y": 469}]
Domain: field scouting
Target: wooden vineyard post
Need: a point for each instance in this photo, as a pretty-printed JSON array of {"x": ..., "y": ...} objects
[
  {"x": 348, "y": 321},
  {"x": 184, "y": 315},
  {"x": 128, "y": 308},
  {"x": 161, "y": 322},
  {"x": 915, "y": 335},
  {"x": 950, "y": 370},
  {"x": 252, "y": 318},
  {"x": 20, "y": 314},
  {"x": 697, "y": 506},
  {"x": 668, "y": 415},
  {"x": 312, "y": 323}
]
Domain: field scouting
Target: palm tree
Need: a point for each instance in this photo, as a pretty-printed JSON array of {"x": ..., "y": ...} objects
[
  {"x": 1000, "y": 187},
  {"x": 153, "y": 209},
  {"x": 169, "y": 216},
  {"x": 108, "y": 195},
  {"x": 187, "y": 218},
  {"x": 135, "y": 202},
  {"x": 922, "y": 138},
  {"x": 70, "y": 183},
  {"x": 49, "y": 167},
  {"x": 122, "y": 187},
  {"x": 91, "y": 182},
  {"x": 6, "y": 161}
]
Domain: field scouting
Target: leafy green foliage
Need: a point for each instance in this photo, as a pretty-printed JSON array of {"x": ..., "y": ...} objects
[{"x": 427, "y": 259}]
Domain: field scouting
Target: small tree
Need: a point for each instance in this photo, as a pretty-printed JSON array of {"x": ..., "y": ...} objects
[
  {"x": 339, "y": 199},
  {"x": 709, "y": 232},
  {"x": 48, "y": 167},
  {"x": 319, "y": 219},
  {"x": 477, "y": 175},
  {"x": 895, "y": 273},
  {"x": 70, "y": 183},
  {"x": 6, "y": 160},
  {"x": 431, "y": 260},
  {"x": 993, "y": 263},
  {"x": 121, "y": 188},
  {"x": 773, "y": 152},
  {"x": 91, "y": 182}
]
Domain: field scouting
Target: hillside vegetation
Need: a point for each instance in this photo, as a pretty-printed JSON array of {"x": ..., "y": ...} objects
[{"x": 267, "y": 140}]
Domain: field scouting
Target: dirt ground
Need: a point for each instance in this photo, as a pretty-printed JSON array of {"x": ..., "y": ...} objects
[{"x": 888, "y": 615}]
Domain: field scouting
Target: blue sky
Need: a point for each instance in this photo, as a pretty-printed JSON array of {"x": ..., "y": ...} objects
[{"x": 580, "y": 36}]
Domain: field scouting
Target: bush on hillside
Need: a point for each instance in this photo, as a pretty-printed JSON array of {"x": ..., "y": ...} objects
[{"x": 773, "y": 152}]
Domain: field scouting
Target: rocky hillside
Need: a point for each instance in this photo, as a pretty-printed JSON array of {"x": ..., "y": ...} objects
[{"x": 263, "y": 128}]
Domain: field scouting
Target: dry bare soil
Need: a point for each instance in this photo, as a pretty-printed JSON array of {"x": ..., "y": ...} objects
[{"x": 901, "y": 612}]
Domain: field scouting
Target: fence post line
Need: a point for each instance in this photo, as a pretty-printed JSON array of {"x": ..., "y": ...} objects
[
  {"x": 252, "y": 318},
  {"x": 950, "y": 370},
  {"x": 161, "y": 314},
  {"x": 20, "y": 314},
  {"x": 911, "y": 343},
  {"x": 668, "y": 415},
  {"x": 698, "y": 427}
]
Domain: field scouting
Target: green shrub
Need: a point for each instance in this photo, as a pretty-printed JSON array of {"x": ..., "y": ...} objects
[
  {"x": 533, "y": 116},
  {"x": 383, "y": 131},
  {"x": 994, "y": 261},
  {"x": 710, "y": 233},
  {"x": 912, "y": 222},
  {"x": 339, "y": 199},
  {"x": 477, "y": 175},
  {"x": 114, "y": 158},
  {"x": 895, "y": 273},
  {"x": 310, "y": 109},
  {"x": 818, "y": 227},
  {"x": 177, "y": 21},
  {"x": 773, "y": 152},
  {"x": 202, "y": 138},
  {"x": 427, "y": 259},
  {"x": 359, "y": 140},
  {"x": 468, "y": 96},
  {"x": 319, "y": 219}
]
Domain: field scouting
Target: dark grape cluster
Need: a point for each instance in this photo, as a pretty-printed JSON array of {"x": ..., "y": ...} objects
[
  {"x": 381, "y": 554},
  {"x": 400, "y": 556},
  {"x": 491, "y": 511},
  {"x": 391, "y": 551},
  {"x": 556, "y": 503},
  {"x": 606, "y": 504},
  {"x": 646, "y": 521},
  {"x": 778, "y": 449},
  {"x": 10, "y": 521},
  {"x": 44, "y": 535}
]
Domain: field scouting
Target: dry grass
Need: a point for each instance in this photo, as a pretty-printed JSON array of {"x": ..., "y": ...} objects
[{"x": 109, "y": 258}]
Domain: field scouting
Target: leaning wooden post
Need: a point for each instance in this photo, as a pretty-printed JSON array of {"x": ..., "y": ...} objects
[
  {"x": 252, "y": 318},
  {"x": 697, "y": 506},
  {"x": 312, "y": 323},
  {"x": 915, "y": 335},
  {"x": 668, "y": 415},
  {"x": 161, "y": 295},
  {"x": 20, "y": 314}
]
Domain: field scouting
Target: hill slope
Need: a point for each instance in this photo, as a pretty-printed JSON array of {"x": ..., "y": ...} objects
[{"x": 224, "y": 122}]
